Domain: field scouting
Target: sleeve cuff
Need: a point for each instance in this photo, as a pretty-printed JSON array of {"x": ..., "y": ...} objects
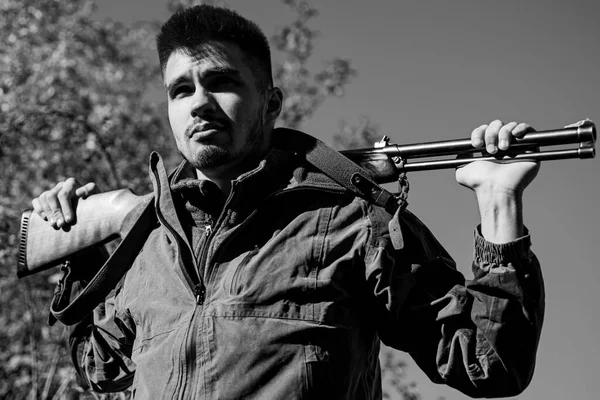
[{"x": 502, "y": 256}]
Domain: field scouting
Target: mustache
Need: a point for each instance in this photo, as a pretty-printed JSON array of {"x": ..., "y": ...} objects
[{"x": 200, "y": 125}]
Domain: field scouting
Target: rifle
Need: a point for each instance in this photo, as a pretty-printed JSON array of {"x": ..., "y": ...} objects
[{"x": 99, "y": 218}]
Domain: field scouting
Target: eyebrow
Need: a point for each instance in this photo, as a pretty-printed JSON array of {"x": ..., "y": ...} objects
[
  {"x": 180, "y": 79},
  {"x": 222, "y": 71},
  {"x": 211, "y": 72}
]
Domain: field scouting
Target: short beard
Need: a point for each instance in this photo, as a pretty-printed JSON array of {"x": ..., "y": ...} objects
[{"x": 213, "y": 156}]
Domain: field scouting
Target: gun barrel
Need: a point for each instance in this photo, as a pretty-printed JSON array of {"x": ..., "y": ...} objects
[{"x": 378, "y": 159}]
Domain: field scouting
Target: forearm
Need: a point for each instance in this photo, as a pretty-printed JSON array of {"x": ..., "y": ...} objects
[{"x": 501, "y": 214}]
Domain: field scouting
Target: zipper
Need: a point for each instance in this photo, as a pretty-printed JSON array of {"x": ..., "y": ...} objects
[
  {"x": 199, "y": 289},
  {"x": 189, "y": 369},
  {"x": 193, "y": 279},
  {"x": 210, "y": 231},
  {"x": 200, "y": 292}
]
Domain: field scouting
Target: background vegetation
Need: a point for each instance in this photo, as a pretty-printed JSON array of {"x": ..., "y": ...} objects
[{"x": 73, "y": 102}]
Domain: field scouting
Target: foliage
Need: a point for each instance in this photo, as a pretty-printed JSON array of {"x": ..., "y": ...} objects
[
  {"x": 73, "y": 103},
  {"x": 72, "y": 92},
  {"x": 363, "y": 135},
  {"x": 304, "y": 91},
  {"x": 394, "y": 375}
]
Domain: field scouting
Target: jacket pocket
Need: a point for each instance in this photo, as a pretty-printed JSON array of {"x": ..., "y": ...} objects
[{"x": 235, "y": 286}]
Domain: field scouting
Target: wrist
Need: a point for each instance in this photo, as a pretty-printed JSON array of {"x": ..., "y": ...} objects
[{"x": 501, "y": 214}]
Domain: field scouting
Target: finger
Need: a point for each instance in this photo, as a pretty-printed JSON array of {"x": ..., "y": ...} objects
[
  {"x": 491, "y": 136},
  {"x": 37, "y": 208},
  {"x": 86, "y": 190},
  {"x": 65, "y": 199},
  {"x": 505, "y": 135},
  {"x": 477, "y": 136},
  {"x": 55, "y": 211},
  {"x": 46, "y": 207},
  {"x": 522, "y": 129}
]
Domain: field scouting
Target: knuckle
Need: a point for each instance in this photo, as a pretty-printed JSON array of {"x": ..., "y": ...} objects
[
  {"x": 52, "y": 192},
  {"x": 43, "y": 199},
  {"x": 490, "y": 132},
  {"x": 479, "y": 130},
  {"x": 71, "y": 184},
  {"x": 52, "y": 196}
]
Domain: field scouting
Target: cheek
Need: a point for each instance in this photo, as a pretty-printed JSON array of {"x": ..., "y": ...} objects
[
  {"x": 176, "y": 121},
  {"x": 239, "y": 108},
  {"x": 230, "y": 105}
]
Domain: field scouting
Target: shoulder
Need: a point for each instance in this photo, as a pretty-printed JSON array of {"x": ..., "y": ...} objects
[{"x": 134, "y": 214}]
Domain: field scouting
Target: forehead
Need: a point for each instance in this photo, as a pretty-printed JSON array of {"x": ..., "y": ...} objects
[{"x": 204, "y": 58}]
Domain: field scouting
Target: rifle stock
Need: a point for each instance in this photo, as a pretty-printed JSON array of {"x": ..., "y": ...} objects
[{"x": 99, "y": 219}]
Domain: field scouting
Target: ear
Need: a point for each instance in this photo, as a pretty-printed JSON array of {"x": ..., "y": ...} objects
[{"x": 273, "y": 104}]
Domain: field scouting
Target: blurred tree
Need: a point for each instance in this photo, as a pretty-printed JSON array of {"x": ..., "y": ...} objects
[
  {"x": 363, "y": 135},
  {"x": 393, "y": 376},
  {"x": 304, "y": 91},
  {"x": 73, "y": 103}
]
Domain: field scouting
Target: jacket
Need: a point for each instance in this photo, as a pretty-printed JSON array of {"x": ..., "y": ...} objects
[{"x": 291, "y": 291}]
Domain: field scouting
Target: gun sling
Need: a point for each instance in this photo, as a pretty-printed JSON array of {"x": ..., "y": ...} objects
[
  {"x": 332, "y": 163},
  {"x": 109, "y": 275}
]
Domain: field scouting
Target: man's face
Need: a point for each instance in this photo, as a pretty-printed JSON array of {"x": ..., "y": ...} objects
[{"x": 215, "y": 109}]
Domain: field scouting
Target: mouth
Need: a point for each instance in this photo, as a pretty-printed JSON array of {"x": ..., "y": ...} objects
[{"x": 204, "y": 130}]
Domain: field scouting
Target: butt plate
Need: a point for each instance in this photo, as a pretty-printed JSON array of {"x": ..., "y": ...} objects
[{"x": 22, "y": 269}]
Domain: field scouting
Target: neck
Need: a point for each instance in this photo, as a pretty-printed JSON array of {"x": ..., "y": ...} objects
[
  {"x": 223, "y": 175},
  {"x": 224, "y": 183}
]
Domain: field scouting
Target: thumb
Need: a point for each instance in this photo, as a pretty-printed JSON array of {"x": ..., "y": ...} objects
[{"x": 86, "y": 190}]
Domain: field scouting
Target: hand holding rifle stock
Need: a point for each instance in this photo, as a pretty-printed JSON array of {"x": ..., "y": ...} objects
[
  {"x": 57, "y": 205},
  {"x": 78, "y": 218}
]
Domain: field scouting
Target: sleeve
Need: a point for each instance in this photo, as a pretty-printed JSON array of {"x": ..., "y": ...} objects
[
  {"x": 100, "y": 347},
  {"x": 479, "y": 336},
  {"x": 101, "y": 344}
]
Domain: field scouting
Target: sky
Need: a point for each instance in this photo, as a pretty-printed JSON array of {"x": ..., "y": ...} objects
[{"x": 435, "y": 70}]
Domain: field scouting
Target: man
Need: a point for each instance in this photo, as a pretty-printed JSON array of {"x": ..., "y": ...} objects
[{"x": 266, "y": 280}]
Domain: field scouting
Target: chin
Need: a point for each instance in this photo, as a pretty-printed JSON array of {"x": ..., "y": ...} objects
[{"x": 210, "y": 158}]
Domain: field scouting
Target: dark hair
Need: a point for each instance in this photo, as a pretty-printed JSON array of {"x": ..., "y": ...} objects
[{"x": 192, "y": 27}]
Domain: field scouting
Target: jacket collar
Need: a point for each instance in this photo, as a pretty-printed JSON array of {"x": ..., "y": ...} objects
[{"x": 283, "y": 168}]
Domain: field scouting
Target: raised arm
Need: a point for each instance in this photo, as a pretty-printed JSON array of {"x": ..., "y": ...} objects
[
  {"x": 499, "y": 187},
  {"x": 480, "y": 335}
]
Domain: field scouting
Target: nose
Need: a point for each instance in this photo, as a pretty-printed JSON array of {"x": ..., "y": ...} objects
[{"x": 203, "y": 103}]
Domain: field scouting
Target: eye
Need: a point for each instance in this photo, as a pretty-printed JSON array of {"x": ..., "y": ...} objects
[
  {"x": 222, "y": 83},
  {"x": 182, "y": 90}
]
